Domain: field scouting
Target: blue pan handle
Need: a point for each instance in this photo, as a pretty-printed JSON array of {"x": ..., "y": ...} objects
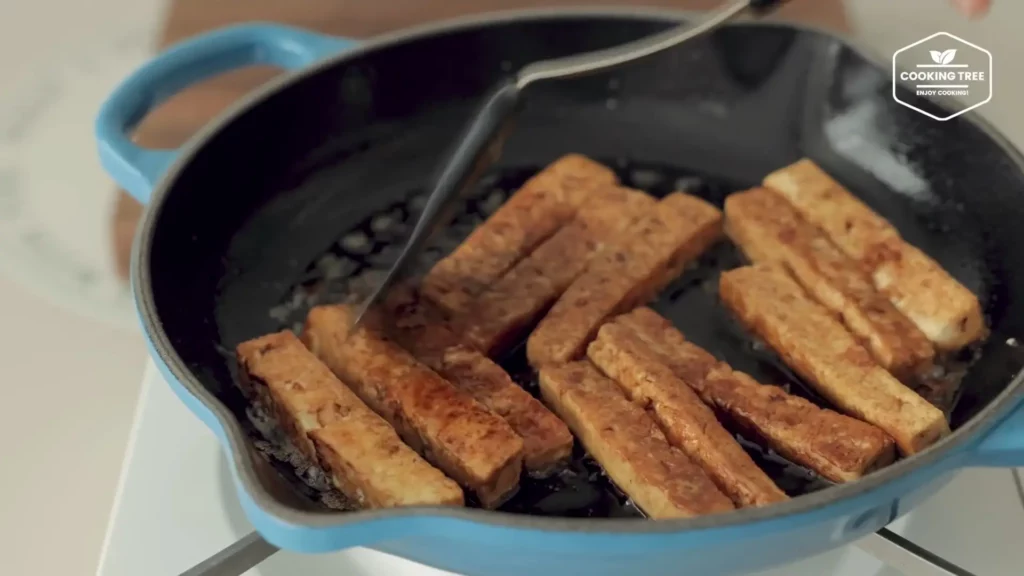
[
  {"x": 136, "y": 169},
  {"x": 1003, "y": 447}
]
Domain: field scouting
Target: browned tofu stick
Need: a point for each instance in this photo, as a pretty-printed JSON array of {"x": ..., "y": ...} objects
[
  {"x": 687, "y": 423},
  {"x": 547, "y": 442},
  {"x": 418, "y": 325},
  {"x": 945, "y": 310},
  {"x": 530, "y": 216},
  {"x": 768, "y": 229},
  {"x": 500, "y": 316},
  {"x": 838, "y": 447},
  {"x": 659, "y": 478},
  {"x": 814, "y": 344},
  {"x": 363, "y": 455},
  {"x": 624, "y": 275},
  {"x": 451, "y": 429},
  {"x": 835, "y": 446}
]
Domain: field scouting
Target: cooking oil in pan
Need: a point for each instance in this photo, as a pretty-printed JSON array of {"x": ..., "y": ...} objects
[{"x": 361, "y": 255}]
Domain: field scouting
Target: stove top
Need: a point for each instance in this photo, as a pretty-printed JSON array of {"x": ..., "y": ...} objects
[{"x": 176, "y": 505}]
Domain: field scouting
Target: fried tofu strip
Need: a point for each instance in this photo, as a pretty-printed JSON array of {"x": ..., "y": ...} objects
[
  {"x": 502, "y": 314},
  {"x": 451, "y": 429},
  {"x": 768, "y": 229},
  {"x": 547, "y": 442},
  {"x": 814, "y": 344},
  {"x": 687, "y": 423},
  {"x": 659, "y": 478},
  {"x": 835, "y": 446},
  {"x": 618, "y": 278},
  {"x": 543, "y": 205},
  {"x": 418, "y": 325},
  {"x": 945, "y": 310},
  {"x": 365, "y": 458}
]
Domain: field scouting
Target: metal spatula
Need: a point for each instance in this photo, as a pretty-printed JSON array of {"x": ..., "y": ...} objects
[{"x": 479, "y": 146}]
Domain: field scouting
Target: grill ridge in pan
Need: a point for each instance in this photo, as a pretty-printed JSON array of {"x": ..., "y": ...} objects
[{"x": 364, "y": 252}]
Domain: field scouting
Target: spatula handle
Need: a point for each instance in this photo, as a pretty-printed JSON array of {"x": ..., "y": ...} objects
[
  {"x": 762, "y": 7},
  {"x": 236, "y": 559},
  {"x": 476, "y": 149},
  {"x": 609, "y": 58}
]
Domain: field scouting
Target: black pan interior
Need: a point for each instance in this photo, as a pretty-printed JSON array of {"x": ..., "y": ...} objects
[{"x": 316, "y": 183}]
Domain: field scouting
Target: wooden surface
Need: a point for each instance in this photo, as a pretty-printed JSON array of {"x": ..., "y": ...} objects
[{"x": 172, "y": 123}]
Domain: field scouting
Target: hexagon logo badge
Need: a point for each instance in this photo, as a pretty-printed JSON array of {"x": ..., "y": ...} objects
[{"x": 948, "y": 70}]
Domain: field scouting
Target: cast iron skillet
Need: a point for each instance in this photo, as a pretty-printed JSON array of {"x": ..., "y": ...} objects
[{"x": 252, "y": 222}]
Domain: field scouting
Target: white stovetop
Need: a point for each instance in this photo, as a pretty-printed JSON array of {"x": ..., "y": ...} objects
[
  {"x": 176, "y": 506},
  {"x": 60, "y": 292}
]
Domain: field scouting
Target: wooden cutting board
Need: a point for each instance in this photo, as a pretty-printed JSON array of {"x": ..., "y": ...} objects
[{"x": 176, "y": 120}]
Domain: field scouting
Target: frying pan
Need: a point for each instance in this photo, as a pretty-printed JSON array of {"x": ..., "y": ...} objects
[{"x": 302, "y": 189}]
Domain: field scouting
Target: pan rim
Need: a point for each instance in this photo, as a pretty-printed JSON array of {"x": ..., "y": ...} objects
[{"x": 236, "y": 440}]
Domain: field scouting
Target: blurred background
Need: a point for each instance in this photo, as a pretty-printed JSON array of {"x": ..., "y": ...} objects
[{"x": 71, "y": 354}]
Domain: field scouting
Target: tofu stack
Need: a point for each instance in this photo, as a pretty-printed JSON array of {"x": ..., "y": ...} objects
[
  {"x": 768, "y": 229},
  {"x": 631, "y": 271},
  {"x": 502, "y": 314},
  {"x": 815, "y": 345},
  {"x": 835, "y": 446},
  {"x": 421, "y": 329},
  {"x": 365, "y": 458},
  {"x": 536, "y": 211},
  {"x": 663, "y": 481},
  {"x": 412, "y": 407},
  {"x": 444, "y": 423},
  {"x": 620, "y": 248},
  {"x": 845, "y": 301},
  {"x": 942, "y": 308},
  {"x": 686, "y": 422}
]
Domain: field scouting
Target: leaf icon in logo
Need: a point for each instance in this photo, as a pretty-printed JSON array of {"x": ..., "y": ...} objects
[{"x": 943, "y": 57}]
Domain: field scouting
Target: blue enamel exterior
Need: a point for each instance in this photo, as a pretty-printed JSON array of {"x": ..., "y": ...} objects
[
  {"x": 182, "y": 65},
  {"x": 490, "y": 547}
]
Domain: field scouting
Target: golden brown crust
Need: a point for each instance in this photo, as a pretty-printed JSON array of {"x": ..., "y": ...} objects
[
  {"x": 688, "y": 362},
  {"x": 547, "y": 442},
  {"x": 363, "y": 454},
  {"x": 687, "y": 423},
  {"x": 500, "y": 316},
  {"x": 813, "y": 343},
  {"x": 418, "y": 325},
  {"x": 845, "y": 219},
  {"x": 620, "y": 277},
  {"x": 451, "y": 429},
  {"x": 531, "y": 215},
  {"x": 838, "y": 447},
  {"x": 768, "y": 229},
  {"x": 942, "y": 308},
  {"x": 659, "y": 478}
]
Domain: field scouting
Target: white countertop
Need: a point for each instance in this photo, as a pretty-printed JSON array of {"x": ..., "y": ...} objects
[{"x": 69, "y": 345}]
